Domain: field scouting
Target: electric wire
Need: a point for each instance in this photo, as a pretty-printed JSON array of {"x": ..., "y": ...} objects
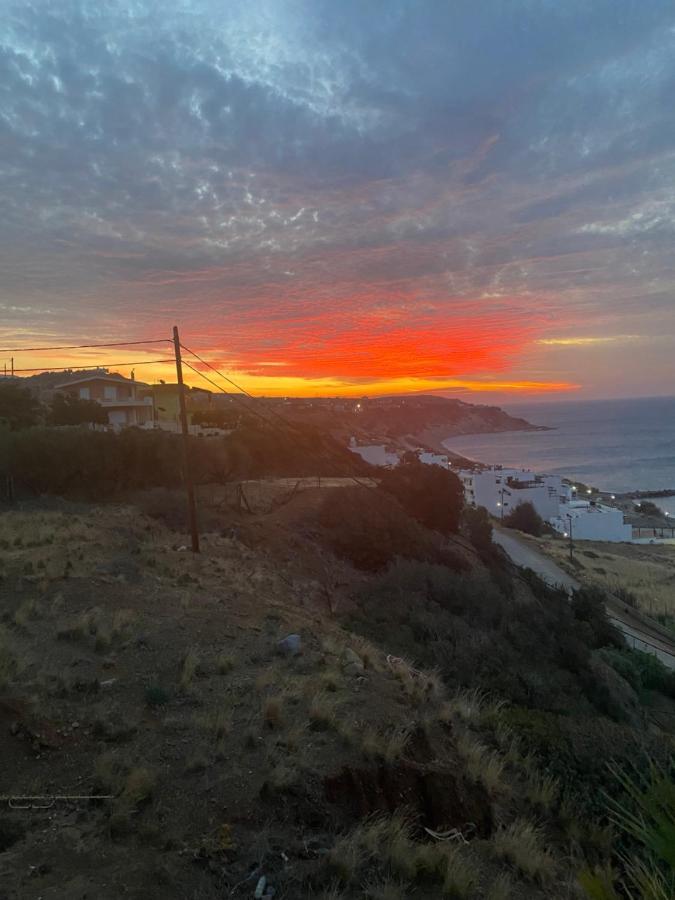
[
  {"x": 292, "y": 426},
  {"x": 85, "y": 346},
  {"x": 94, "y": 366}
]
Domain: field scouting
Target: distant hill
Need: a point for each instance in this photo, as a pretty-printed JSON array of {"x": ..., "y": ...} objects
[{"x": 406, "y": 420}]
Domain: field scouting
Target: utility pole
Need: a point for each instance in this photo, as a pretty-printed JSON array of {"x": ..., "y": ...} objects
[
  {"x": 187, "y": 474},
  {"x": 571, "y": 540},
  {"x": 12, "y": 366}
]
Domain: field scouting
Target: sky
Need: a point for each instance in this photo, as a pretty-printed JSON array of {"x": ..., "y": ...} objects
[{"x": 345, "y": 197}]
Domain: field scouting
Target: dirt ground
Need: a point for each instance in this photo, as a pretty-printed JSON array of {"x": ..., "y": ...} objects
[{"x": 176, "y": 752}]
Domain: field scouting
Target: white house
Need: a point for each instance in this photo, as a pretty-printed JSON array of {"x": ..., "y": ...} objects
[
  {"x": 586, "y": 520},
  {"x": 500, "y": 490}
]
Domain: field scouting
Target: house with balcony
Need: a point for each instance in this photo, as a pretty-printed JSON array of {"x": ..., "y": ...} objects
[{"x": 126, "y": 401}]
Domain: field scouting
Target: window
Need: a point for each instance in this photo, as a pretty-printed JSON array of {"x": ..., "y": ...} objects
[
  {"x": 110, "y": 392},
  {"x": 84, "y": 394}
]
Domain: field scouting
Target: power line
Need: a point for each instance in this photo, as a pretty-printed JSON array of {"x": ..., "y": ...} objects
[
  {"x": 94, "y": 366},
  {"x": 292, "y": 426},
  {"x": 84, "y": 346},
  {"x": 219, "y": 388}
]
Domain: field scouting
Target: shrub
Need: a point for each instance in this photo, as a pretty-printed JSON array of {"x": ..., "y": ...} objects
[
  {"x": 430, "y": 494},
  {"x": 19, "y": 408},
  {"x": 588, "y": 606},
  {"x": 370, "y": 529},
  {"x": 525, "y": 518},
  {"x": 478, "y": 527}
]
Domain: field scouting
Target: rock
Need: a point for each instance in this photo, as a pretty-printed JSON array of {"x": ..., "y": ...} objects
[
  {"x": 291, "y": 645},
  {"x": 260, "y": 887}
]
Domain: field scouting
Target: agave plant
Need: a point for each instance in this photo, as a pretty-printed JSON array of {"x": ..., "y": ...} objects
[{"x": 646, "y": 814}]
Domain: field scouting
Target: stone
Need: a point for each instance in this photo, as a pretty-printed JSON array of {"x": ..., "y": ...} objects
[
  {"x": 291, "y": 645},
  {"x": 260, "y": 887}
]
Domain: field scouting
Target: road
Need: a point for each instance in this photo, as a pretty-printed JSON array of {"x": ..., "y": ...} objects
[
  {"x": 639, "y": 632},
  {"x": 528, "y": 558}
]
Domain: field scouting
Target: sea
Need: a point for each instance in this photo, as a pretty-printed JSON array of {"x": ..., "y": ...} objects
[{"x": 614, "y": 445}]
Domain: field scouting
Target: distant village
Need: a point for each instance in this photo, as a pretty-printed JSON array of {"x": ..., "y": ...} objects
[{"x": 500, "y": 490}]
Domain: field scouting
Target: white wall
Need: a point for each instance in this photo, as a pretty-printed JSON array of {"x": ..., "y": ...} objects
[
  {"x": 490, "y": 488},
  {"x": 592, "y": 523}
]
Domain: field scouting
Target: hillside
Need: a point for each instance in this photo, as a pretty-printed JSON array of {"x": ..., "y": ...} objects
[
  {"x": 405, "y": 421},
  {"x": 443, "y": 730}
]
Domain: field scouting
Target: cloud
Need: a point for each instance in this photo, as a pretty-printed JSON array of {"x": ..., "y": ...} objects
[
  {"x": 588, "y": 341},
  {"x": 352, "y": 190}
]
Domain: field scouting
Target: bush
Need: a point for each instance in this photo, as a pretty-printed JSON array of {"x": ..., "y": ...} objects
[
  {"x": 67, "y": 410},
  {"x": 18, "y": 406},
  {"x": 430, "y": 494},
  {"x": 370, "y": 529},
  {"x": 525, "y": 518},
  {"x": 588, "y": 606},
  {"x": 478, "y": 527}
]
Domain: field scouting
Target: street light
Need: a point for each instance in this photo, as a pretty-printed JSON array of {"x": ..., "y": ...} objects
[{"x": 571, "y": 539}]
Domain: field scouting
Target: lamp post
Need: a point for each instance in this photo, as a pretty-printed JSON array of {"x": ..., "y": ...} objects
[{"x": 571, "y": 539}]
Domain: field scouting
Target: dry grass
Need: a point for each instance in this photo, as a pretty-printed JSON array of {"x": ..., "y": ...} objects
[
  {"x": 472, "y": 706},
  {"x": 347, "y": 857},
  {"x": 27, "y": 610},
  {"x": 542, "y": 791},
  {"x": 331, "y": 680},
  {"x": 522, "y": 844},
  {"x": 138, "y": 786},
  {"x": 321, "y": 711},
  {"x": 645, "y": 570},
  {"x": 483, "y": 765},
  {"x": 8, "y": 665},
  {"x": 385, "y": 890},
  {"x": 225, "y": 663},
  {"x": 216, "y": 722},
  {"x": 501, "y": 888},
  {"x": 273, "y": 712},
  {"x": 189, "y": 668},
  {"x": 460, "y": 879},
  {"x": 396, "y": 743}
]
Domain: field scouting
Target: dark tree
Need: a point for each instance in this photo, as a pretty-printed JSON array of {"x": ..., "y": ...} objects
[
  {"x": 430, "y": 494},
  {"x": 525, "y": 518},
  {"x": 478, "y": 527},
  {"x": 67, "y": 410},
  {"x": 19, "y": 408}
]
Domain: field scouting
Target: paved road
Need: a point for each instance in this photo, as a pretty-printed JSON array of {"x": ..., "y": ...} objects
[
  {"x": 638, "y": 631},
  {"x": 528, "y": 558}
]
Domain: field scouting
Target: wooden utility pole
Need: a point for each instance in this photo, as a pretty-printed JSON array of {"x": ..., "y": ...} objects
[{"x": 187, "y": 474}]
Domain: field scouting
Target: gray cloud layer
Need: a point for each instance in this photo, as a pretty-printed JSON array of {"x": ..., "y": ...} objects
[{"x": 274, "y": 158}]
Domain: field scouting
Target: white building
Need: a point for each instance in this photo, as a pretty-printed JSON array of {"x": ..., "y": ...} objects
[
  {"x": 433, "y": 459},
  {"x": 586, "y": 520},
  {"x": 501, "y": 490}
]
